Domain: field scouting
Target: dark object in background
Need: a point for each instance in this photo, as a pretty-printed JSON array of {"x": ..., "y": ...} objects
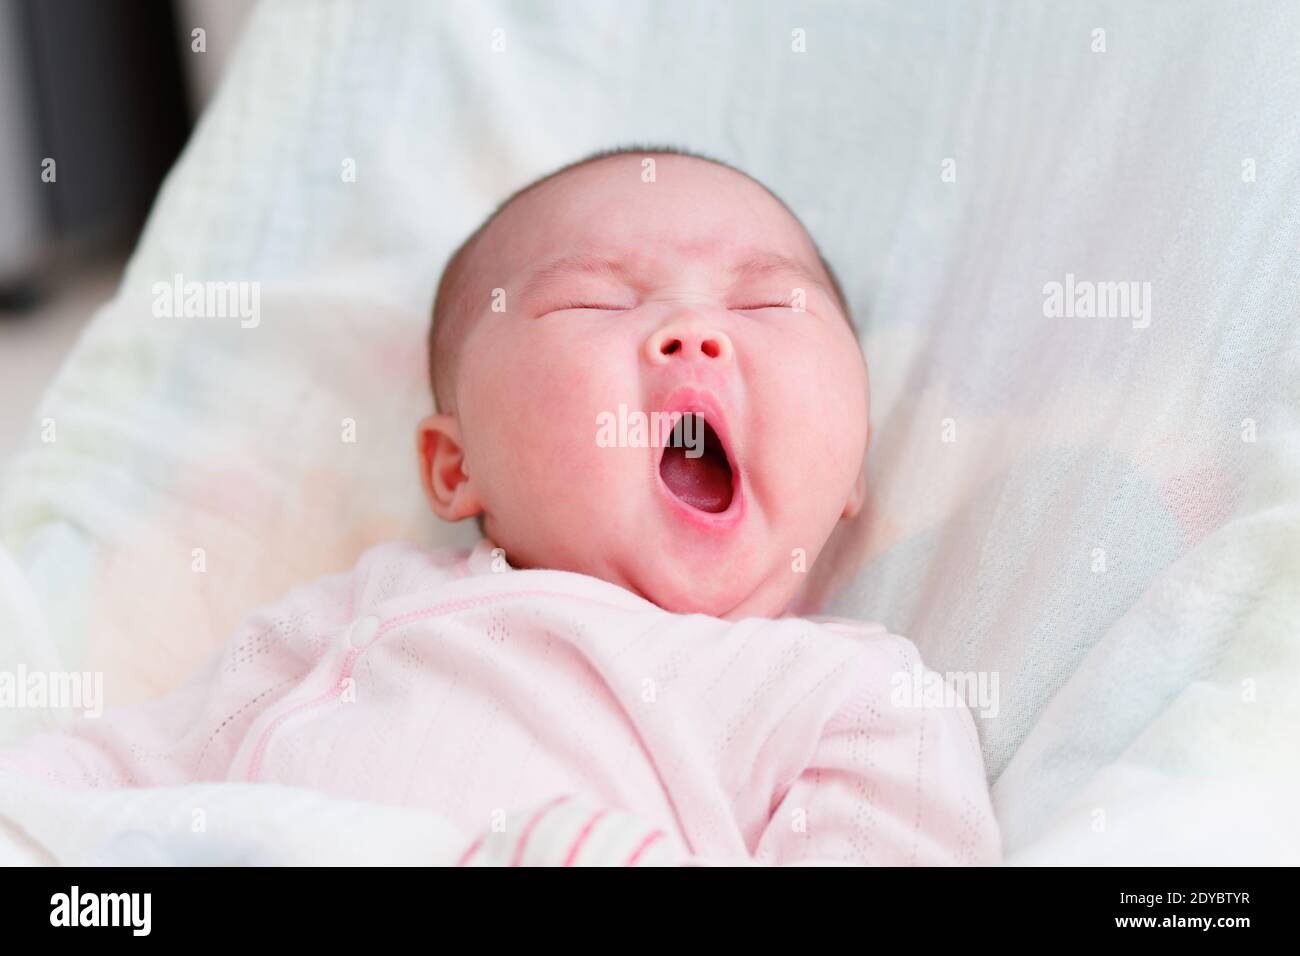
[{"x": 99, "y": 88}]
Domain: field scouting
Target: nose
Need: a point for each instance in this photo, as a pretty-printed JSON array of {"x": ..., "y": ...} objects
[{"x": 693, "y": 339}]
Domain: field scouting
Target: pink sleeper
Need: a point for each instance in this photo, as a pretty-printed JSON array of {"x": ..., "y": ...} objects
[{"x": 446, "y": 680}]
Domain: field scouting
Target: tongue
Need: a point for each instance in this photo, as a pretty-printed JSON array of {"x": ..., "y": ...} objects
[{"x": 703, "y": 482}]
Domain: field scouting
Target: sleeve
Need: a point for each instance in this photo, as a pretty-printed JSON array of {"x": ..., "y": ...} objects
[
  {"x": 570, "y": 830},
  {"x": 896, "y": 778},
  {"x": 192, "y": 734}
]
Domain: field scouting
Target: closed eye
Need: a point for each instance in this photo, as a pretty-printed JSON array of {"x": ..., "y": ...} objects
[
  {"x": 764, "y": 305},
  {"x": 573, "y": 306}
]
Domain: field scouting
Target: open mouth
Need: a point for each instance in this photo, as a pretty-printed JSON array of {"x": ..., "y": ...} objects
[{"x": 695, "y": 467}]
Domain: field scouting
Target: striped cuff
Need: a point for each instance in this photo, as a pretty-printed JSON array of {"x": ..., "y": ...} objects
[{"x": 570, "y": 831}]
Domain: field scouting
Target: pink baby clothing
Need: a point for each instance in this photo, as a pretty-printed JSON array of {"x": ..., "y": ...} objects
[{"x": 448, "y": 681}]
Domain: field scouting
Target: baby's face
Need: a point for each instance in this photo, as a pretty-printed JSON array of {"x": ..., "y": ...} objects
[{"x": 625, "y": 298}]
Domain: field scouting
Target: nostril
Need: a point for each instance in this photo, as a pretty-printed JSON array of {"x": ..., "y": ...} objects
[
  {"x": 710, "y": 348},
  {"x": 671, "y": 346}
]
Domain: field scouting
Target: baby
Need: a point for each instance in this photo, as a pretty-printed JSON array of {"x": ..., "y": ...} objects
[{"x": 617, "y": 641}]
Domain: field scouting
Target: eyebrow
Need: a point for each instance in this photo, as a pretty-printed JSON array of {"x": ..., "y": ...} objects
[
  {"x": 756, "y": 266},
  {"x": 772, "y": 263},
  {"x": 565, "y": 266}
]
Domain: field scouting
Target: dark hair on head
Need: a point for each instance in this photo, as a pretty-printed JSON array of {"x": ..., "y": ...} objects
[{"x": 453, "y": 297}]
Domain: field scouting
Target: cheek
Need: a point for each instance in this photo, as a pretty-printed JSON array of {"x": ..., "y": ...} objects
[
  {"x": 844, "y": 402},
  {"x": 534, "y": 416},
  {"x": 815, "y": 406}
]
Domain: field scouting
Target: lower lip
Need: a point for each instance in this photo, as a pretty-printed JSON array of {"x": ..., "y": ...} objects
[{"x": 719, "y": 521}]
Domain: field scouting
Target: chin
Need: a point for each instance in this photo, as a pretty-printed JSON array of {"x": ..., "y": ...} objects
[{"x": 688, "y": 597}]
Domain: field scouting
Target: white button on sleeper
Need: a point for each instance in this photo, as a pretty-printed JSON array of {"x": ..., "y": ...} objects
[{"x": 363, "y": 630}]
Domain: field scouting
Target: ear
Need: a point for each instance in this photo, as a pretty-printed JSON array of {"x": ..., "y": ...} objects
[
  {"x": 447, "y": 484},
  {"x": 858, "y": 494}
]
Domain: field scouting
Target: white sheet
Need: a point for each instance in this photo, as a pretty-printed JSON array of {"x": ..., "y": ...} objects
[{"x": 215, "y": 825}]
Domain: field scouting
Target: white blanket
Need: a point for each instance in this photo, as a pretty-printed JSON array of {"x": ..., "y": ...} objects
[{"x": 215, "y": 825}]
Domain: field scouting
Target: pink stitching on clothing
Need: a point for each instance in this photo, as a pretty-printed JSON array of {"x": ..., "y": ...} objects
[
  {"x": 582, "y": 837},
  {"x": 645, "y": 845},
  {"x": 528, "y": 830},
  {"x": 256, "y": 763},
  {"x": 473, "y": 848}
]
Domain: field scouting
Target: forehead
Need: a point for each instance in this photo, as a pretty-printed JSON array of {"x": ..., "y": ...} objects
[{"x": 693, "y": 214}]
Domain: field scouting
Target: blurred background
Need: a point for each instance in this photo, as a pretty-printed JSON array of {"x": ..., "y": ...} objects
[{"x": 97, "y": 99}]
